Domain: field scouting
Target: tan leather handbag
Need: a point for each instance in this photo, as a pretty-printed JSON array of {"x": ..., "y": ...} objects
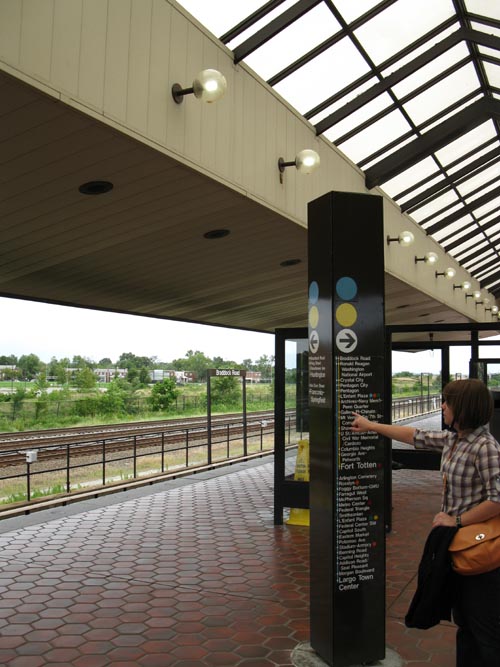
[{"x": 475, "y": 549}]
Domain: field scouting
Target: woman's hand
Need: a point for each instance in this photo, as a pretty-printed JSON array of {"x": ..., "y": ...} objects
[
  {"x": 443, "y": 519},
  {"x": 360, "y": 424}
]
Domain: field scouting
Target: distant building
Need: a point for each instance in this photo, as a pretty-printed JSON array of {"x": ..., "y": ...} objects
[
  {"x": 110, "y": 374},
  {"x": 254, "y": 377},
  {"x": 102, "y": 374},
  {"x": 180, "y": 377},
  {"x": 7, "y": 368}
]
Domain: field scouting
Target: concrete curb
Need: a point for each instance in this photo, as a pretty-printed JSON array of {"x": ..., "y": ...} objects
[{"x": 304, "y": 656}]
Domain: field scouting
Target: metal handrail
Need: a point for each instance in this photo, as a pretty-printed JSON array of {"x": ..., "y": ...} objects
[{"x": 184, "y": 443}]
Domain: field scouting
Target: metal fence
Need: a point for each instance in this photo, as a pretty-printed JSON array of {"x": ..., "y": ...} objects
[
  {"x": 46, "y": 471},
  {"x": 92, "y": 406},
  {"x": 50, "y": 470},
  {"x": 415, "y": 405}
]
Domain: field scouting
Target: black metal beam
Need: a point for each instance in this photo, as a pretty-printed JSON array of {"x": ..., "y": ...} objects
[
  {"x": 321, "y": 48},
  {"x": 478, "y": 221},
  {"x": 469, "y": 235},
  {"x": 273, "y": 28},
  {"x": 422, "y": 328},
  {"x": 382, "y": 67},
  {"x": 486, "y": 267},
  {"x": 405, "y": 71},
  {"x": 434, "y": 139},
  {"x": 481, "y": 250},
  {"x": 468, "y": 208},
  {"x": 491, "y": 279},
  {"x": 439, "y": 188},
  {"x": 249, "y": 21}
]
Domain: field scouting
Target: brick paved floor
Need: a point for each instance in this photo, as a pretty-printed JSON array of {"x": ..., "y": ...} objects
[{"x": 189, "y": 576}]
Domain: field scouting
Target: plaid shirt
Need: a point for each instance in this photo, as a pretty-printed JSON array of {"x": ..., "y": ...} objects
[{"x": 470, "y": 467}]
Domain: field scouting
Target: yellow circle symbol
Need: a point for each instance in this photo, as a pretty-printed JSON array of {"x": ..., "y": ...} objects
[
  {"x": 313, "y": 317},
  {"x": 346, "y": 315}
]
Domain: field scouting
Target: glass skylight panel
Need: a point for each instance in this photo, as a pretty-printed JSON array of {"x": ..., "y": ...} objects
[
  {"x": 493, "y": 230},
  {"x": 437, "y": 204},
  {"x": 323, "y": 76},
  {"x": 365, "y": 113},
  {"x": 486, "y": 208},
  {"x": 490, "y": 29},
  {"x": 465, "y": 220},
  {"x": 487, "y": 274},
  {"x": 376, "y": 136},
  {"x": 484, "y": 7},
  {"x": 401, "y": 24},
  {"x": 476, "y": 264},
  {"x": 487, "y": 51},
  {"x": 409, "y": 56},
  {"x": 442, "y": 94},
  {"x": 464, "y": 162},
  {"x": 468, "y": 246},
  {"x": 480, "y": 179},
  {"x": 352, "y": 10},
  {"x": 495, "y": 214},
  {"x": 344, "y": 100},
  {"x": 493, "y": 74},
  {"x": 466, "y": 143},
  {"x": 293, "y": 42},
  {"x": 447, "y": 235},
  {"x": 431, "y": 70},
  {"x": 221, "y": 15},
  {"x": 409, "y": 177}
]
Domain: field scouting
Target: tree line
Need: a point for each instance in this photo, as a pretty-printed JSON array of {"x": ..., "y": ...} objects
[{"x": 30, "y": 366}]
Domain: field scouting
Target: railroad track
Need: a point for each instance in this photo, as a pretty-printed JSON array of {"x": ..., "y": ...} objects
[{"x": 163, "y": 435}]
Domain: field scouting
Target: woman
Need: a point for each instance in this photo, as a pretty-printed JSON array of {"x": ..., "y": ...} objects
[{"x": 470, "y": 467}]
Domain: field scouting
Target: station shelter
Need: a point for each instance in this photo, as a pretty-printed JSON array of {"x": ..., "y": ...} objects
[{"x": 160, "y": 158}]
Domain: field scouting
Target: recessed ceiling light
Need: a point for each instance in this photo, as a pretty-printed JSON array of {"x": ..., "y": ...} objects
[
  {"x": 217, "y": 234},
  {"x": 290, "y": 262},
  {"x": 95, "y": 187}
]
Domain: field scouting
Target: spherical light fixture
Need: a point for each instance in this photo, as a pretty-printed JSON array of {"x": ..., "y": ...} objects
[
  {"x": 208, "y": 86},
  {"x": 448, "y": 273},
  {"x": 305, "y": 162},
  {"x": 404, "y": 239},
  {"x": 463, "y": 286},
  {"x": 429, "y": 258}
]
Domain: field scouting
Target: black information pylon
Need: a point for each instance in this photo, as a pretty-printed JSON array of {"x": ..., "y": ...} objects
[{"x": 346, "y": 375}]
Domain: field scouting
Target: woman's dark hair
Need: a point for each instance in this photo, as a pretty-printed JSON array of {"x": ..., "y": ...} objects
[{"x": 470, "y": 401}]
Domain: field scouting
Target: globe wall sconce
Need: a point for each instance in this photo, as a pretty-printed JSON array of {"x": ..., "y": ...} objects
[
  {"x": 429, "y": 258},
  {"x": 463, "y": 286},
  {"x": 208, "y": 86},
  {"x": 447, "y": 273},
  {"x": 494, "y": 310},
  {"x": 404, "y": 239},
  {"x": 475, "y": 295},
  {"x": 305, "y": 162},
  {"x": 480, "y": 300}
]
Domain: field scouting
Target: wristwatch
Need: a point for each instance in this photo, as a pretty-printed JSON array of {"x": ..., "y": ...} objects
[{"x": 458, "y": 520}]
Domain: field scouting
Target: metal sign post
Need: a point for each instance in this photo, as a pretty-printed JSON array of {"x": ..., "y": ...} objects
[
  {"x": 346, "y": 375},
  {"x": 225, "y": 372}
]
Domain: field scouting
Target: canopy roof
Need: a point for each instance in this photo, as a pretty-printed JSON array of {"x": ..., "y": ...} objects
[{"x": 409, "y": 91}]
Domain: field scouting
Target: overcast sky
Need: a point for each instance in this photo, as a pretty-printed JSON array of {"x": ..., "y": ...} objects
[
  {"x": 60, "y": 331},
  {"x": 48, "y": 330}
]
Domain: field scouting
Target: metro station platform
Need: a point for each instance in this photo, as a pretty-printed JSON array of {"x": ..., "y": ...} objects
[{"x": 189, "y": 573}]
